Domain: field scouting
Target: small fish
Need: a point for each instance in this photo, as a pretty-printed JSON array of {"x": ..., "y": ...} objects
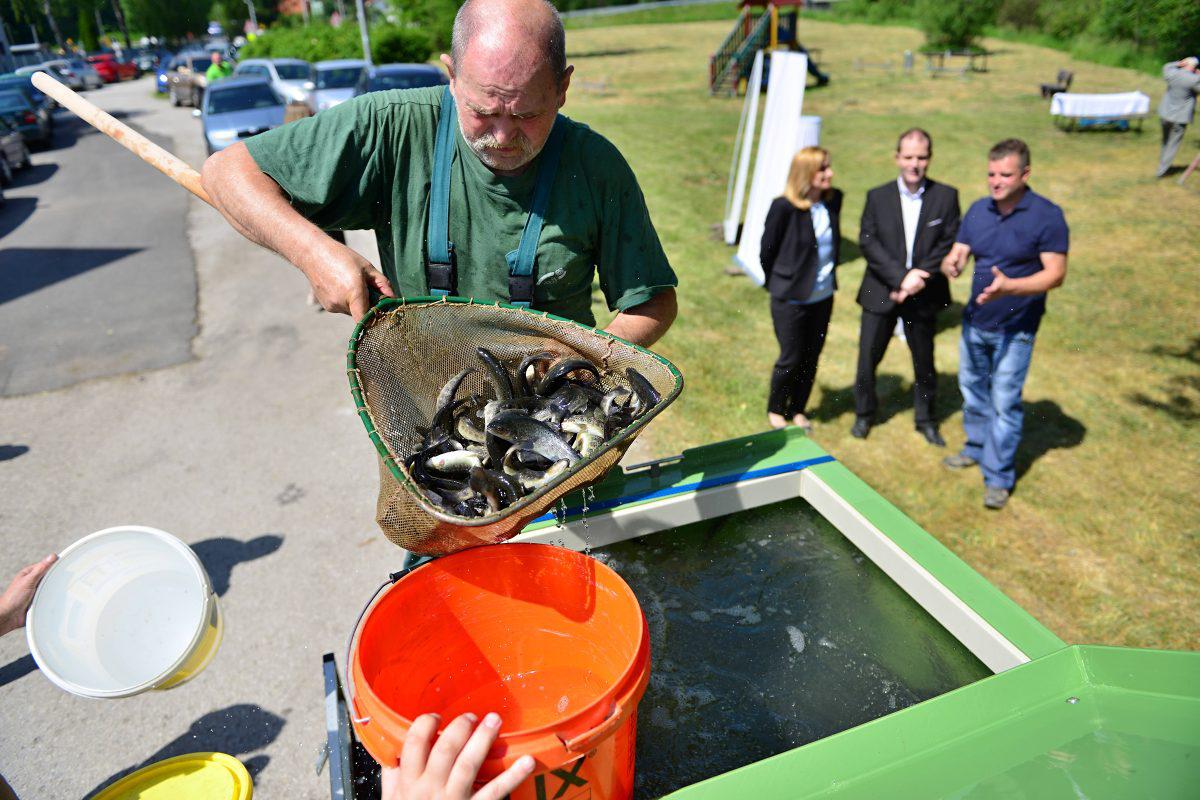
[
  {"x": 519, "y": 428},
  {"x": 500, "y": 377},
  {"x": 455, "y": 461},
  {"x": 559, "y": 372},
  {"x": 444, "y": 409},
  {"x": 496, "y": 487},
  {"x": 648, "y": 398},
  {"x": 530, "y": 362}
]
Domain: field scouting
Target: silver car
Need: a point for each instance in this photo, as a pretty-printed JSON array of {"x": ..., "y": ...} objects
[
  {"x": 237, "y": 108},
  {"x": 291, "y": 78},
  {"x": 336, "y": 81},
  {"x": 91, "y": 78}
]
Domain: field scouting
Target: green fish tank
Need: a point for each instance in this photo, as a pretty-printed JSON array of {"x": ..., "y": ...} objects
[{"x": 809, "y": 640}]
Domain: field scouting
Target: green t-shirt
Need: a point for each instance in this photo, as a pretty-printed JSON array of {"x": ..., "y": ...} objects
[
  {"x": 216, "y": 72},
  {"x": 367, "y": 163}
]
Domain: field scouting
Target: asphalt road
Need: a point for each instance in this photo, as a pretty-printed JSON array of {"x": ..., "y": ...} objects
[
  {"x": 96, "y": 276},
  {"x": 242, "y": 440}
]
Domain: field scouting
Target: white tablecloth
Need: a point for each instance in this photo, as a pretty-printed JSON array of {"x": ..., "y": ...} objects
[{"x": 1122, "y": 104}]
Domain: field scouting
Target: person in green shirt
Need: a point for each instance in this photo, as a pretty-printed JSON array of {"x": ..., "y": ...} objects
[
  {"x": 218, "y": 69},
  {"x": 369, "y": 163}
]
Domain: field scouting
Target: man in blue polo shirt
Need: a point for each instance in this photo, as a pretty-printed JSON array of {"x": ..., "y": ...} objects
[{"x": 1019, "y": 242}]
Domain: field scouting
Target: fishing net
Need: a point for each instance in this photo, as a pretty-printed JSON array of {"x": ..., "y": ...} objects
[{"x": 402, "y": 353}]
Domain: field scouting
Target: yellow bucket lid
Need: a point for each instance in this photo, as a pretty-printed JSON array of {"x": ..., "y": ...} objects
[{"x": 196, "y": 776}]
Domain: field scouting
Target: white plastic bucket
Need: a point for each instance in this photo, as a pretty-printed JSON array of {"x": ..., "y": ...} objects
[{"x": 122, "y": 611}]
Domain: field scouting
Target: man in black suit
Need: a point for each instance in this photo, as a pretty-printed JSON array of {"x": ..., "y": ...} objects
[{"x": 908, "y": 227}]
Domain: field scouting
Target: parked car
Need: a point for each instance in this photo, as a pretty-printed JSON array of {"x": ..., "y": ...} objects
[
  {"x": 399, "y": 76},
  {"x": 236, "y": 108},
  {"x": 14, "y": 153},
  {"x": 18, "y": 111},
  {"x": 111, "y": 68},
  {"x": 149, "y": 59},
  {"x": 291, "y": 78},
  {"x": 38, "y": 99},
  {"x": 57, "y": 70},
  {"x": 91, "y": 78},
  {"x": 335, "y": 81},
  {"x": 185, "y": 78}
]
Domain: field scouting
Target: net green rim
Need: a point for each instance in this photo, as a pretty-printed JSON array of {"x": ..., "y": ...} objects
[{"x": 389, "y": 459}]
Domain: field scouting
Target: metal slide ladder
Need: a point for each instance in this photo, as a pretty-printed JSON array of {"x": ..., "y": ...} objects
[{"x": 733, "y": 58}]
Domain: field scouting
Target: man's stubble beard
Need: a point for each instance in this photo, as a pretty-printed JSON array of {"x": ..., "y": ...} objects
[{"x": 479, "y": 146}]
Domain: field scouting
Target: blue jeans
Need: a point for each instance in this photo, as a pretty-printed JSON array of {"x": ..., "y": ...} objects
[{"x": 992, "y": 366}]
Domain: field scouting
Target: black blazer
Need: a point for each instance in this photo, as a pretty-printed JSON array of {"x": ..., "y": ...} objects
[
  {"x": 881, "y": 239},
  {"x": 789, "y": 248}
]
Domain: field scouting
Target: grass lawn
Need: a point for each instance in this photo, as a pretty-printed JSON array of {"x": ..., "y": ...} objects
[{"x": 1101, "y": 540}]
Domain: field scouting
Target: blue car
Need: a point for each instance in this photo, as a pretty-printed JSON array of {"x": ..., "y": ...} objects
[
  {"x": 237, "y": 108},
  {"x": 399, "y": 76}
]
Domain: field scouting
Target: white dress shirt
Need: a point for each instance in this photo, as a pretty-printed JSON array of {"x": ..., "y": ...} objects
[{"x": 910, "y": 209}]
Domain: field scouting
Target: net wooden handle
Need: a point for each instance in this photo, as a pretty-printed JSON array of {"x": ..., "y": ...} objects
[{"x": 172, "y": 166}]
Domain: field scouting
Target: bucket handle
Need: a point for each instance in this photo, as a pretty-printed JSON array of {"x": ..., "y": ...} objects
[
  {"x": 589, "y": 739},
  {"x": 392, "y": 578}
]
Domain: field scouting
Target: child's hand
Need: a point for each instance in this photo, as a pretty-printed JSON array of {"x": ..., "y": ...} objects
[
  {"x": 19, "y": 594},
  {"x": 446, "y": 769}
]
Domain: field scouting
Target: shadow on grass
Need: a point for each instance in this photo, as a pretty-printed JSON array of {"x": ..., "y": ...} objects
[
  {"x": 627, "y": 51},
  {"x": 1047, "y": 427},
  {"x": 237, "y": 729},
  {"x": 895, "y": 395},
  {"x": 1180, "y": 397}
]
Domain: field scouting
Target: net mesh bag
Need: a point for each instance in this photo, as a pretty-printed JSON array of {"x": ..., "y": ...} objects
[{"x": 402, "y": 353}]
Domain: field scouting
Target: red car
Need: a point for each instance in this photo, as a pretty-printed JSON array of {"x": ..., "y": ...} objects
[{"x": 111, "y": 69}]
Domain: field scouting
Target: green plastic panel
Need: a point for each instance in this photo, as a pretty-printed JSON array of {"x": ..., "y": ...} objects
[
  {"x": 699, "y": 465},
  {"x": 1095, "y": 722}
]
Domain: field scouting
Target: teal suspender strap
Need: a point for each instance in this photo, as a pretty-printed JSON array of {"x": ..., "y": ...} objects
[
  {"x": 440, "y": 260},
  {"x": 521, "y": 278},
  {"x": 439, "y": 252}
]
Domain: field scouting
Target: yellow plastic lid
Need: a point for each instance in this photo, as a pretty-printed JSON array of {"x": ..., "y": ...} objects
[{"x": 196, "y": 776}]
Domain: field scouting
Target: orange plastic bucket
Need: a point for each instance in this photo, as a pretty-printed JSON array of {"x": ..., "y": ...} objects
[{"x": 552, "y": 640}]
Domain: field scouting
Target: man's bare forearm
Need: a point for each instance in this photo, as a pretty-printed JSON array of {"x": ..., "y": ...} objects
[
  {"x": 257, "y": 208},
  {"x": 342, "y": 280},
  {"x": 645, "y": 324}
]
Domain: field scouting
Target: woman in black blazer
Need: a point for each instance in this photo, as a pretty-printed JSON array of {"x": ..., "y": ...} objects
[{"x": 799, "y": 254}]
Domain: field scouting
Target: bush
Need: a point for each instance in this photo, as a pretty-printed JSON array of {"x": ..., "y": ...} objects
[
  {"x": 393, "y": 44},
  {"x": 954, "y": 24},
  {"x": 320, "y": 42},
  {"x": 1020, "y": 15}
]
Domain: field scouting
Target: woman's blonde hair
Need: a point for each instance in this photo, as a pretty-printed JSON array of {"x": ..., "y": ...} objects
[{"x": 805, "y": 164}]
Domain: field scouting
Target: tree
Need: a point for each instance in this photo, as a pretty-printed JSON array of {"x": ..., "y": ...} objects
[
  {"x": 954, "y": 24},
  {"x": 89, "y": 37},
  {"x": 120, "y": 15},
  {"x": 172, "y": 20}
]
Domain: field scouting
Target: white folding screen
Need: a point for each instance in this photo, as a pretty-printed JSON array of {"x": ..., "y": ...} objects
[
  {"x": 781, "y": 131},
  {"x": 743, "y": 145}
]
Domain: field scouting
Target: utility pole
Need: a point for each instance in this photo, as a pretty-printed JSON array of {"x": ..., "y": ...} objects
[
  {"x": 304, "y": 10},
  {"x": 366, "y": 35},
  {"x": 120, "y": 14},
  {"x": 253, "y": 16}
]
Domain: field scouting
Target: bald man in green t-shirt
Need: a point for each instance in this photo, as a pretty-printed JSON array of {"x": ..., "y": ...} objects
[{"x": 373, "y": 162}]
